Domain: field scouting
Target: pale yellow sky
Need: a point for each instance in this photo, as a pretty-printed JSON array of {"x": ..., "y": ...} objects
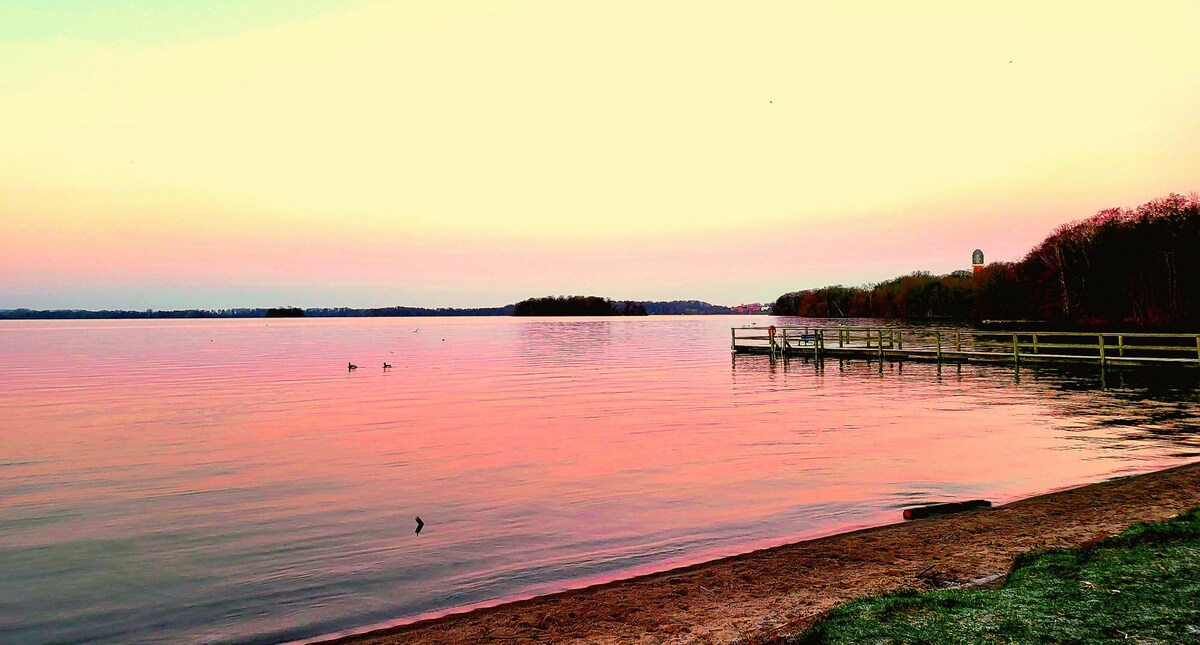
[{"x": 496, "y": 123}]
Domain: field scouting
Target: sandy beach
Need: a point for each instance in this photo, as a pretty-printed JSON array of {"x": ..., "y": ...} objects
[{"x": 779, "y": 591}]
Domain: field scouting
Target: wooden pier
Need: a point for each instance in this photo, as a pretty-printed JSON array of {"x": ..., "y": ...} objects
[{"x": 968, "y": 345}]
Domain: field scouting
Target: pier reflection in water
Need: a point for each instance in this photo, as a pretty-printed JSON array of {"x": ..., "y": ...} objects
[{"x": 1153, "y": 404}]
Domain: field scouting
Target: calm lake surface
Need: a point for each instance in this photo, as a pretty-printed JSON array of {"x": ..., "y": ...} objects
[{"x": 231, "y": 481}]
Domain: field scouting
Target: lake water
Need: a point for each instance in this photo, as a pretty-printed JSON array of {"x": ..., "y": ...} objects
[{"x": 231, "y": 481}]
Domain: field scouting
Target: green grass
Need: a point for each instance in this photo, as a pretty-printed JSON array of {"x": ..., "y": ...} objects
[{"x": 1142, "y": 586}]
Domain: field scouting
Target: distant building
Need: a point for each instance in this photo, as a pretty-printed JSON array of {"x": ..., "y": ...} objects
[
  {"x": 749, "y": 309},
  {"x": 977, "y": 261}
]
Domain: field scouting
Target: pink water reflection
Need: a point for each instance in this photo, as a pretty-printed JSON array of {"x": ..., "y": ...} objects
[{"x": 231, "y": 480}]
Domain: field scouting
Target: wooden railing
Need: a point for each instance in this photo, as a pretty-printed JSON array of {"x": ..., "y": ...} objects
[{"x": 968, "y": 344}]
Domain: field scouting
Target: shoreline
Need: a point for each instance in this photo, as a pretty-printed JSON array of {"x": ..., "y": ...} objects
[{"x": 781, "y": 590}]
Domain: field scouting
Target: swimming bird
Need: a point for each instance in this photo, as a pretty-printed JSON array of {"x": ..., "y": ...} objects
[
  {"x": 351, "y": 367},
  {"x": 420, "y": 525},
  {"x": 386, "y": 366},
  {"x": 416, "y": 330}
]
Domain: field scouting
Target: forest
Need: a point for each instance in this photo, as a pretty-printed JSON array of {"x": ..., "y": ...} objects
[{"x": 1136, "y": 267}]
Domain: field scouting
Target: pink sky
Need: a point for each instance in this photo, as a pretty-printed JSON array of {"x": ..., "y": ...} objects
[{"x": 382, "y": 153}]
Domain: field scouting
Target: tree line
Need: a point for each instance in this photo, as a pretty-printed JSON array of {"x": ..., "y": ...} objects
[
  {"x": 1136, "y": 266},
  {"x": 598, "y": 306}
]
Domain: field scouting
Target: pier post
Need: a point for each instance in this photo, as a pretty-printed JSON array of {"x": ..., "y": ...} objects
[
  {"x": 1120, "y": 345},
  {"x": 1198, "y": 349},
  {"x": 1101, "y": 339},
  {"x": 957, "y": 340},
  {"x": 1016, "y": 350},
  {"x": 785, "y": 346},
  {"x": 899, "y": 338},
  {"x": 881, "y": 346},
  {"x": 733, "y": 338},
  {"x": 1035, "y": 344},
  {"x": 939, "y": 346}
]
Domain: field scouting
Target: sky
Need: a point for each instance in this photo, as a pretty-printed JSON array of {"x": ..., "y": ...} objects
[{"x": 177, "y": 154}]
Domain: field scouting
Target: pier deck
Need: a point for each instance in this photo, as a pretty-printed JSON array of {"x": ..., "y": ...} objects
[{"x": 968, "y": 346}]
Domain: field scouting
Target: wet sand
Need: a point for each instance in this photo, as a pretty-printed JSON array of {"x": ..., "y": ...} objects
[{"x": 780, "y": 591}]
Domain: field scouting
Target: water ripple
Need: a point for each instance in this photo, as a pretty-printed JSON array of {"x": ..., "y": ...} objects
[{"x": 230, "y": 481}]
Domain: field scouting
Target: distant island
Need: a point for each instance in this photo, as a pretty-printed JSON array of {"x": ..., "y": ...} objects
[
  {"x": 1138, "y": 267},
  {"x": 577, "y": 306},
  {"x": 654, "y": 308},
  {"x": 285, "y": 312}
]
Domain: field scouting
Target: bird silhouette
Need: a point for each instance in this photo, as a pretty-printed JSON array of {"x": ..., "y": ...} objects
[
  {"x": 386, "y": 366},
  {"x": 420, "y": 525},
  {"x": 416, "y": 330},
  {"x": 351, "y": 367}
]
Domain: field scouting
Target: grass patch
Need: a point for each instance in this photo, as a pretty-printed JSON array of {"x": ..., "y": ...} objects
[{"x": 1142, "y": 586}]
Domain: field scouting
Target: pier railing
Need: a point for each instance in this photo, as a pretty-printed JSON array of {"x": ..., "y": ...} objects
[{"x": 966, "y": 345}]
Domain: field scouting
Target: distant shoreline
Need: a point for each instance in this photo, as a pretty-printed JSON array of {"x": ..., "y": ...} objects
[
  {"x": 507, "y": 312},
  {"x": 247, "y": 312},
  {"x": 780, "y": 591},
  {"x": 170, "y": 316},
  {"x": 652, "y": 307}
]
